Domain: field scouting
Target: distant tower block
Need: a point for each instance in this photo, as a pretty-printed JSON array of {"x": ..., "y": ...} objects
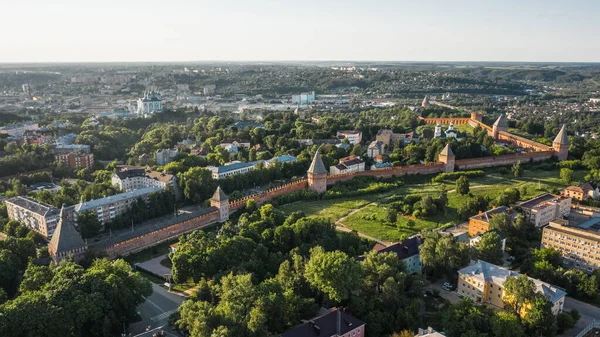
[
  {"x": 447, "y": 157},
  {"x": 221, "y": 201},
  {"x": 561, "y": 144},
  {"x": 425, "y": 102},
  {"x": 317, "y": 175},
  {"x": 499, "y": 125}
]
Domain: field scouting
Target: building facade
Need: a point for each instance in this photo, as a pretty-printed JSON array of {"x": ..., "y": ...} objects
[
  {"x": 304, "y": 98},
  {"x": 165, "y": 156},
  {"x": 376, "y": 148},
  {"x": 76, "y": 160},
  {"x": 151, "y": 102},
  {"x": 581, "y": 192},
  {"x": 579, "y": 245},
  {"x": 483, "y": 282},
  {"x": 108, "y": 208},
  {"x": 545, "y": 208},
  {"x": 353, "y": 136},
  {"x": 133, "y": 178},
  {"x": 233, "y": 168},
  {"x": 34, "y": 214},
  {"x": 349, "y": 164},
  {"x": 480, "y": 223}
]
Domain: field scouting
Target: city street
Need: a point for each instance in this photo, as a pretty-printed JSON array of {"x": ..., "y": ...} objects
[
  {"x": 588, "y": 313},
  {"x": 156, "y": 310}
]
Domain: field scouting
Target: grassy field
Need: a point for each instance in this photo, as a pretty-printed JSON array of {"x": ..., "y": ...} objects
[{"x": 365, "y": 214}]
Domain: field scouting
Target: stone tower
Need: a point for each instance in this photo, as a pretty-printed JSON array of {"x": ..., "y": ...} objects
[
  {"x": 476, "y": 116},
  {"x": 66, "y": 241},
  {"x": 221, "y": 201},
  {"x": 499, "y": 125},
  {"x": 447, "y": 157},
  {"x": 561, "y": 144},
  {"x": 425, "y": 102},
  {"x": 317, "y": 175}
]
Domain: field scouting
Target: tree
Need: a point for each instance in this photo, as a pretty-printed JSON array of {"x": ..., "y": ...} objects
[
  {"x": 538, "y": 319},
  {"x": 566, "y": 175},
  {"x": 517, "y": 170},
  {"x": 489, "y": 248},
  {"x": 333, "y": 273},
  {"x": 501, "y": 221},
  {"x": 462, "y": 185},
  {"x": 391, "y": 215},
  {"x": 403, "y": 333},
  {"x": 506, "y": 324},
  {"x": 89, "y": 225},
  {"x": 518, "y": 291},
  {"x": 35, "y": 277}
]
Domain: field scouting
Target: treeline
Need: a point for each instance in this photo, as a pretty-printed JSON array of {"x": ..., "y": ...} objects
[{"x": 450, "y": 176}]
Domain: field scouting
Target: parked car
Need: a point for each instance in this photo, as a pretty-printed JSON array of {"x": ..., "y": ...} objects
[{"x": 447, "y": 286}]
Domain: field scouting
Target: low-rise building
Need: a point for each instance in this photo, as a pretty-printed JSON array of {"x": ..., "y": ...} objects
[
  {"x": 132, "y": 178},
  {"x": 376, "y": 148},
  {"x": 545, "y": 208},
  {"x": 429, "y": 332},
  {"x": 353, "y": 136},
  {"x": 330, "y": 323},
  {"x": 582, "y": 192},
  {"x": 108, "y": 208},
  {"x": 34, "y": 214},
  {"x": 349, "y": 164},
  {"x": 407, "y": 251},
  {"x": 233, "y": 168},
  {"x": 165, "y": 156},
  {"x": 483, "y": 282},
  {"x": 390, "y": 139},
  {"x": 285, "y": 159},
  {"x": 480, "y": 223},
  {"x": 234, "y": 145},
  {"x": 579, "y": 245}
]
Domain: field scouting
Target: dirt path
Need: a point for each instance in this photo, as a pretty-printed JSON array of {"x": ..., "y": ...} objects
[{"x": 340, "y": 226}]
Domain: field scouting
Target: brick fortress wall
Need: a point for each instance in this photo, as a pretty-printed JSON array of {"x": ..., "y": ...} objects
[
  {"x": 389, "y": 172},
  {"x": 507, "y": 159},
  {"x": 269, "y": 194}
]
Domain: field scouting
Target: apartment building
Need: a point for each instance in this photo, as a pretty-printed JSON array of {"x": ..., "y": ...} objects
[
  {"x": 483, "y": 282},
  {"x": 76, "y": 160},
  {"x": 233, "y": 168},
  {"x": 348, "y": 164},
  {"x": 391, "y": 139},
  {"x": 353, "y": 136},
  {"x": 165, "y": 156},
  {"x": 330, "y": 323},
  {"x": 34, "y": 214},
  {"x": 545, "y": 208},
  {"x": 132, "y": 178},
  {"x": 108, "y": 208},
  {"x": 579, "y": 245},
  {"x": 480, "y": 223},
  {"x": 376, "y": 148}
]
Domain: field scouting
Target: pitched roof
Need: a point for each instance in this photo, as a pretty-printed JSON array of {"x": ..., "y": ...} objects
[
  {"x": 561, "y": 137},
  {"x": 219, "y": 195},
  {"x": 404, "y": 249},
  {"x": 326, "y": 325},
  {"x": 66, "y": 238},
  {"x": 501, "y": 122},
  {"x": 317, "y": 166},
  {"x": 447, "y": 151}
]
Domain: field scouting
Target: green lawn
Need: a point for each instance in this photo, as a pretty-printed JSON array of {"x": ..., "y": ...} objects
[{"x": 368, "y": 219}]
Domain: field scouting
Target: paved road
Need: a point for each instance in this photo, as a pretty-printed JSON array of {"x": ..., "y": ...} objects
[
  {"x": 588, "y": 313},
  {"x": 157, "y": 309},
  {"x": 153, "y": 266}
]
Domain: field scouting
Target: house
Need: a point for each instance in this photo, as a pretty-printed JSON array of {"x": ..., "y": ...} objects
[
  {"x": 407, "y": 251},
  {"x": 429, "y": 332},
  {"x": 353, "y": 136},
  {"x": 581, "y": 192},
  {"x": 260, "y": 148},
  {"x": 483, "y": 282},
  {"x": 480, "y": 223},
  {"x": 34, "y": 214},
  {"x": 330, "y": 323},
  {"x": 165, "y": 156},
  {"x": 545, "y": 208},
  {"x": 376, "y": 148},
  {"x": 233, "y": 145},
  {"x": 231, "y": 169},
  {"x": 348, "y": 165}
]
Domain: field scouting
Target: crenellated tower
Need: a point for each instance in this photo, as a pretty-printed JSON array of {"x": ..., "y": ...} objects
[
  {"x": 317, "y": 175},
  {"x": 561, "y": 144},
  {"x": 221, "y": 202},
  {"x": 448, "y": 158}
]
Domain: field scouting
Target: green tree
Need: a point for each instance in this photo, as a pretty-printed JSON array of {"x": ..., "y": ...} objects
[
  {"x": 501, "y": 221},
  {"x": 89, "y": 225},
  {"x": 566, "y": 175},
  {"x": 35, "y": 277},
  {"x": 517, "y": 170},
  {"x": 462, "y": 185},
  {"x": 518, "y": 291},
  {"x": 489, "y": 248},
  {"x": 506, "y": 324},
  {"x": 538, "y": 319},
  {"x": 333, "y": 273}
]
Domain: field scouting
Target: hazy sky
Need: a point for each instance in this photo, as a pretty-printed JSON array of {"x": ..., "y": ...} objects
[{"x": 196, "y": 30}]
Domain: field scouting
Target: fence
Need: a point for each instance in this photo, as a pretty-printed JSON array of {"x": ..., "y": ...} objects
[{"x": 593, "y": 325}]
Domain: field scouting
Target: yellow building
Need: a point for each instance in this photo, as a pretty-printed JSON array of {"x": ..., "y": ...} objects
[
  {"x": 483, "y": 282},
  {"x": 579, "y": 245}
]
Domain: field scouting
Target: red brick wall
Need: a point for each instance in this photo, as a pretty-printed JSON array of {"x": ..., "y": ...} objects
[
  {"x": 153, "y": 238},
  {"x": 269, "y": 194},
  {"x": 522, "y": 142},
  {"x": 508, "y": 159},
  {"x": 447, "y": 120},
  {"x": 389, "y": 172}
]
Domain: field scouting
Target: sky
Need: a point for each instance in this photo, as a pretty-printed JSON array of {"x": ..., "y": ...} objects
[{"x": 307, "y": 30}]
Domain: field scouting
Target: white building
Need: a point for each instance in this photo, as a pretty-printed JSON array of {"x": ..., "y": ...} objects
[
  {"x": 375, "y": 148},
  {"x": 304, "y": 98},
  {"x": 34, "y": 214},
  {"x": 165, "y": 156},
  {"x": 133, "y": 178},
  {"x": 437, "y": 133},
  {"x": 353, "y": 136},
  {"x": 233, "y": 146},
  {"x": 545, "y": 208},
  {"x": 108, "y": 208},
  {"x": 231, "y": 169},
  {"x": 349, "y": 164},
  {"x": 151, "y": 102}
]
